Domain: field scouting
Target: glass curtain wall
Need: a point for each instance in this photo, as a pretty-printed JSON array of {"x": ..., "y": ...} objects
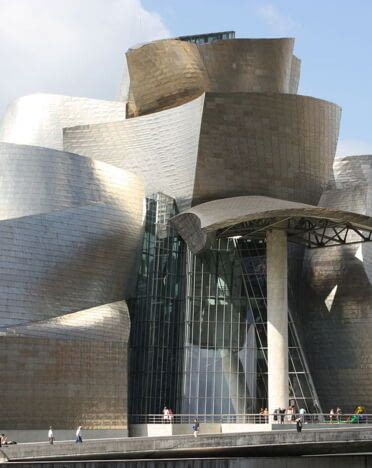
[
  {"x": 225, "y": 361},
  {"x": 156, "y": 314},
  {"x": 198, "y": 339}
]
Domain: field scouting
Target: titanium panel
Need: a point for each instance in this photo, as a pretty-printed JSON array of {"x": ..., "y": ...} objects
[
  {"x": 168, "y": 73},
  {"x": 70, "y": 233},
  {"x": 162, "y": 148},
  {"x": 295, "y": 75},
  {"x": 276, "y": 145},
  {"x": 38, "y": 119},
  {"x": 337, "y": 313},
  {"x": 248, "y": 65},
  {"x": 38, "y": 180},
  {"x": 57, "y": 371},
  {"x": 164, "y": 74}
]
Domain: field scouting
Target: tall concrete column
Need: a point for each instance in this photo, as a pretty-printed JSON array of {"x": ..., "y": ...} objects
[{"x": 277, "y": 319}]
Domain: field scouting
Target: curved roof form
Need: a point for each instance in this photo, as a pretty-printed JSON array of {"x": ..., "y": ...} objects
[
  {"x": 164, "y": 74},
  {"x": 253, "y": 215},
  {"x": 71, "y": 231},
  {"x": 38, "y": 119},
  {"x": 161, "y": 147},
  {"x": 170, "y": 72},
  {"x": 222, "y": 145},
  {"x": 248, "y": 65},
  {"x": 270, "y": 144}
]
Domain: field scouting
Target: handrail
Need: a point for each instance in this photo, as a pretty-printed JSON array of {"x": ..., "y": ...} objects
[{"x": 283, "y": 418}]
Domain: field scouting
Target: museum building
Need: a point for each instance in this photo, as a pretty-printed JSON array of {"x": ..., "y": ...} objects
[{"x": 193, "y": 244}]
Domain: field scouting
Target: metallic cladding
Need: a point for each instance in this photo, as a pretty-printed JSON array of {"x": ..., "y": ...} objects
[
  {"x": 248, "y": 65},
  {"x": 164, "y": 74},
  {"x": 276, "y": 145},
  {"x": 243, "y": 139},
  {"x": 162, "y": 147},
  {"x": 70, "y": 235},
  {"x": 38, "y": 119},
  {"x": 336, "y": 310},
  {"x": 67, "y": 371}
]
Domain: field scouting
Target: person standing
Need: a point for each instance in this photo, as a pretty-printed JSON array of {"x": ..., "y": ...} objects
[
  {"x": 331, "y": 415},
  {"x": 298, "y": 425},
  {"x": 338, "y": 414},
  {"x": 79, "y": 438},
  {"x": 165, "y": 414},
  {"x": 302, "y": 414},
  {"x": 195, "y": 427},
  {"x": 51, "y": 435}
]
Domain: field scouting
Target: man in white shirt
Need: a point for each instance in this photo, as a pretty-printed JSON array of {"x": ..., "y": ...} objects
[
  {"x": 79, "y": 438},
  {"x": 51, "y": 435}
]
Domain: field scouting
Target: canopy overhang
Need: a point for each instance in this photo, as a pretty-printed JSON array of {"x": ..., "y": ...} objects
[{"x": 252, "y": 216}]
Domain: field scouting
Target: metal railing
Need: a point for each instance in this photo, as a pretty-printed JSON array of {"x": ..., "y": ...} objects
[{"x": 287, "y": 418}]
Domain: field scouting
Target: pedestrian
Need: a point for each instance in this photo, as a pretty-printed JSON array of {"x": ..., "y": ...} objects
[
  {"x": 331, "y": 415},
  {"x": 195, "y": 427},
  {"x": 170, "y": 415},
  {"x": 298, "y": 425},
  {"x": 165, "y": 414},
  {"x": 302, "y": 415},
  {"x": 289, "y": 414},
  {"x": 51, "y": 435},
  {"x": 282, "y": 415},
  {"x": 338, "y": 414},
  {"x": 79, "y": 438}
]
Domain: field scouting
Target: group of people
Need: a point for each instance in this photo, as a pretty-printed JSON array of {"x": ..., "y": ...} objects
[
  {"x": 167, "y": 415},
  {"x": 335, "y": 415},
  {"x": 78, "y": 439}
]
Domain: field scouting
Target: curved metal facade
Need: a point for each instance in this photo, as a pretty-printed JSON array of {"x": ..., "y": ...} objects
[
  {"x": 277, "y": 145},
  {"x": 248, "y": 65},
  {"x": 162, "y": 148},
  {"x": 168, "y": 73},
  {"x": 215, "y": 121},
  {"x": 71, "y": 232},
  {"x": 338, "y": 295},
  {"x": 290, "y": 137},
  {"x": 57, "y": 371},
  {"x": 164, "y": 74},
  {"x": 38, "y": 119}
]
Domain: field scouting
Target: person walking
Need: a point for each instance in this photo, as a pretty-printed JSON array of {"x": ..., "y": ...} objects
[
  {"x": 298, "y": 425},
  {"x": 79, "y": 438},
  {"x": 196, "y": 427},
  {"x": 331, "y": 415},
  {"x": 51, "y": 435}
]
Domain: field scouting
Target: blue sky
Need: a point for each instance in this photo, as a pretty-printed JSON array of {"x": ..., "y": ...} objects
[
  {"x": 333, "y": 40},
  {"x": 76, "y": 47}
]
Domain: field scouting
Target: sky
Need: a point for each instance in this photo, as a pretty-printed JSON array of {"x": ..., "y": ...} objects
[{"x": 76, "y": 47}]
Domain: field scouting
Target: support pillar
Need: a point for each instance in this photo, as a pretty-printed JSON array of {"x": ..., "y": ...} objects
[{"x": 277, "y": 319}]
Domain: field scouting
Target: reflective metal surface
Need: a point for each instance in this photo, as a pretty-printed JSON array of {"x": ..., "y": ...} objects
[
  {"x": 336, "y": 316},
  {"x": 162, "y": 148},
  {"x": 168, "y": 73},
  {"x": 70, "y": 236},
  {"x": 251, "y": 216},
  {"x": 67, "y": 371},
  {"x": 38, "y": 119}
]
